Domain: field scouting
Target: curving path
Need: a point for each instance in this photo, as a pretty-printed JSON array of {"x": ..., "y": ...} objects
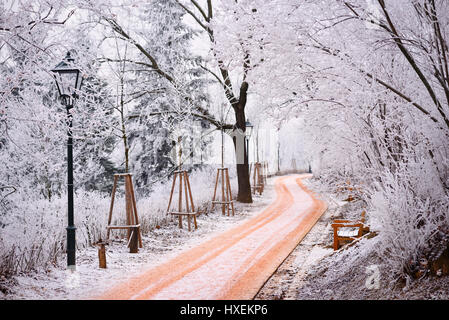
[{"x": 236, "y": 263}]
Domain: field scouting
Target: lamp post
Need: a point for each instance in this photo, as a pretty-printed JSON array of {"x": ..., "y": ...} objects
[
  {"x": 68, "y": 81},
  {"x": 248, "y": 132}
]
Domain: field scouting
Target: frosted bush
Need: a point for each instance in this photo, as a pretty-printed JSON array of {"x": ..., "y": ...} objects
[{"x": 412, "y": 218}]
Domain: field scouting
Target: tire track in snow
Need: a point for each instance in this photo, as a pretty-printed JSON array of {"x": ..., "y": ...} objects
[{"x": 236, "y": 263}]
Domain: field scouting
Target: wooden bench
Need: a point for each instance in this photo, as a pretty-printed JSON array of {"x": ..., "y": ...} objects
[
  {"x": 348, "y": 231},
  {"x": 352, "y": 191}
]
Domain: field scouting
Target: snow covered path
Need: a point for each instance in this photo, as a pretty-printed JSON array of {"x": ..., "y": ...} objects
[{"x": 236, "y": 263}]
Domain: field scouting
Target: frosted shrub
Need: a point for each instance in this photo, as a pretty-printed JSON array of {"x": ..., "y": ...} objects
[
  {"x": 33, "y": 233},
  {"x": 412, "y": 218},
  {"x": 91, "y": 212}
]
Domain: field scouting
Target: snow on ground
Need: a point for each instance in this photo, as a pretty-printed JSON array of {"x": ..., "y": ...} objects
[
  {"x": 314, "y": 271},
  {"x": 158, "y": 246},
  {"x": 233, "y": 264},
  {"x": 290, "y": 275}
]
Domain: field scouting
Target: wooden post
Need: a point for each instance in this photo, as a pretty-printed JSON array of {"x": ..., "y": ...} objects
[
  {"x": 229, "y": 193},
  {"x": 112, "y": 204},
  {"x": 134, "y": 240},
  {"x": 215, "y": 188},
  {"x": 191, "y": 200},
  {"x": 258, "y": 183},
  {"x": 180, "y": 200},
  {"x": 134, "y": 207},
  {"x": 102, "y": 255},
  {"x": 336, "y": 243},
  {"x": 190, "y": 191},
  {"x": 223, "y": 206},
  {"x": 171, "y": 192},
  {"x": 128, "y": 208}
]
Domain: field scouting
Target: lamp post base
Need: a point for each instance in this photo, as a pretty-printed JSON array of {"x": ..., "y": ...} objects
[
  {"x": 71, "y": 247},
  {"x": 71, "y": 268}
]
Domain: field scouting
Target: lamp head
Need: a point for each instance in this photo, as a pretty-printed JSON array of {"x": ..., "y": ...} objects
[
  {"x": 68, "y": 80},
  {"x": 249, "y": 128}
]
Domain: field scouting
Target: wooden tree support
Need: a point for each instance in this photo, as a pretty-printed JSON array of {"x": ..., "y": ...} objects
[
  {"x": 258, "y": 181},
  {"x": 226, "y": 194},
  {"x": 132, "y": 220},
  {"x": 265, "y": 172},
  {"x": 190, "y": 208}
]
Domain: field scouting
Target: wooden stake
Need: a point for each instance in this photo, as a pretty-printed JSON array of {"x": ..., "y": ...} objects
[
  {"x": 134, "y": 240},
  {"x": 112, "y": 204},
  {"x": 134, "y": 205},
  {"x": 128, "y": 208},
  {"x": 230, "y": 193},
  {"x": 258, "y": 184},
  {"x": 171, "y": 192},
  {"x": 102, "y": 256},
  {"x": 190, "y": 192},
  {"x": 223, "y": 206},
  {"x": 180, "y": 201},
  {"x": 215, "y": 189}
]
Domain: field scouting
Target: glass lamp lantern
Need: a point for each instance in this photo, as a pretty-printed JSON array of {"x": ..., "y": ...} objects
[
  {"x": 68, "y": 80},
  {"x": 249, "y": 129}
]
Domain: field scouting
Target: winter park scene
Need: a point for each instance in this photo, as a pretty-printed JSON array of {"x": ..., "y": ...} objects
[{"x": 224, "y": 150}]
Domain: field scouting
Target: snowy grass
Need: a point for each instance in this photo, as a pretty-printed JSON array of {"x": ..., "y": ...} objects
[
  {"x": 33, "y": 234},
  {"x": 159, "y": 245}
]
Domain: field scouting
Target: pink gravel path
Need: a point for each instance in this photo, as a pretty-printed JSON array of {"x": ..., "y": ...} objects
[{"x": 236, "y": 263}]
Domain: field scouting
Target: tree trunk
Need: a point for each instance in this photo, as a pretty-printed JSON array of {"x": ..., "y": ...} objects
[
  {"x": 244, "y": 191},
  {"x": 244, "y": 194}
]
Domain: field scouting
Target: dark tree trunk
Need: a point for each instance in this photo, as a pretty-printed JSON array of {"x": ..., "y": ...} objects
[{"x": 244, "y": 192}]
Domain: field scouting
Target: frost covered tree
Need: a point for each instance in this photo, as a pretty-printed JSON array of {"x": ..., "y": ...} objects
[
  {"x": 229, "y": 28},
  {"x": 370, "y": 80},
  {"x": 27, "y": 97},
  {"x": 152, "y": 67},
  {"x": 170, "y": 43},
  {"x": 34, "y": 37}
]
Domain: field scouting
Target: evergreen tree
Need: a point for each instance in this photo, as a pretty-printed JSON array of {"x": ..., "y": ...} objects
[{"x": 170, "y": 41}]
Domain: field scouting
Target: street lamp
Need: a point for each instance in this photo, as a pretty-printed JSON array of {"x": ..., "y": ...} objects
[
  {"x": 68, "y": 81},
  {"x": 248, "y": 132}
]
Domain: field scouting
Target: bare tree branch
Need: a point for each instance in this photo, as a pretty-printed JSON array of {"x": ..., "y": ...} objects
[
  {"x": 200, "y": 10},
  {"x": 412, "y": 62},
  {"x": 191, "y": 13},
  {"x": 33, "y": 23}
]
